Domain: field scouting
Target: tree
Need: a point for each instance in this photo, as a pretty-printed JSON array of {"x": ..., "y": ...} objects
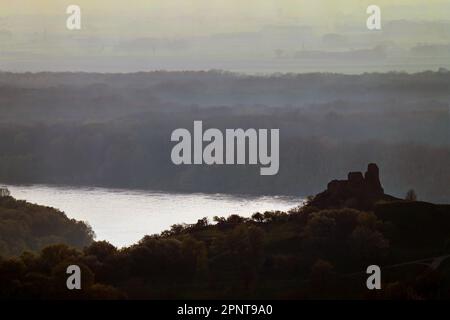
[
  {"x": 201, "y": 223},
  {"x": 321, "y": 270},
  {"x": 101, "y": 249},
  {"x": 219, "y": 220},
  {"x": 322, "y": 279},
  {"x": 411, "y": 195},
  {"x": 258, "y": 217}
]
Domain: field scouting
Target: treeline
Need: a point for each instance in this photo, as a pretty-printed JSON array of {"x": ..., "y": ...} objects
[
  {"x": 304, "y": 253},
  {"x": 114, "y": 130},
  {"x": 29, "y": 227},
  {"x": 225, "y": 88},
  {"x": 136, "y": 154}
]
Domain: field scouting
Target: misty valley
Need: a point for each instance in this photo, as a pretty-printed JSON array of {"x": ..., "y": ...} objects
[
  {"x": 358, "y": 169},
  {"x": 238, "y": 158},
  {"x": 113, "y": 130}
]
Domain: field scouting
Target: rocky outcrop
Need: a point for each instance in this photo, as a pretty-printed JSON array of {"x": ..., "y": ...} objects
[{"x": 358, "y": 191}]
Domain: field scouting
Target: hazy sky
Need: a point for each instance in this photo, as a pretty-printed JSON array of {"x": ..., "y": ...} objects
[
  {"x": 193, "y": 17},
  {"x": 32, "y": 28}
]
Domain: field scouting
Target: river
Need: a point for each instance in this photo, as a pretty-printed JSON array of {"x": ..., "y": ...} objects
[{"x": 123, "y": 217}]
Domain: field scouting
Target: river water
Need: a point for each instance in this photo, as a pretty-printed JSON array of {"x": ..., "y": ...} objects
[{"x": 123, "y": 217}]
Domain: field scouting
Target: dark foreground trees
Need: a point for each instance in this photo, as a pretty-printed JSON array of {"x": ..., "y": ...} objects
[
  {"x": 29, "y": 227},
  {"x": 303, "y": 253}
]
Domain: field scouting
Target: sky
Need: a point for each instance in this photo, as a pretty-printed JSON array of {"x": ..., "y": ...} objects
[{"x": 33, "y": 33}]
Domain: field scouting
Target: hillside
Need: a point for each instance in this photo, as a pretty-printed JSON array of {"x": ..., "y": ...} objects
[
  {"x": 29, "y": 227},
  {"x": 305, "y": 253},
  {"x": 308, "y": 253}
]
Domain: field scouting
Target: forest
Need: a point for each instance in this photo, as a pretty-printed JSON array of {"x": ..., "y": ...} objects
[
  {"x": 113, "y": 130},
  {"x": 30, "y": 227},
  {"x": 306, "y": 253}
]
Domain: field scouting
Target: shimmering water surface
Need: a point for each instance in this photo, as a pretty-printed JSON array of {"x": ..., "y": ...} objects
[{"x": 123, "y": 217}]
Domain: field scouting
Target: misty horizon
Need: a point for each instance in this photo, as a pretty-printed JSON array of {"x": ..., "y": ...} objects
[{"x": 252, "y": 37}]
